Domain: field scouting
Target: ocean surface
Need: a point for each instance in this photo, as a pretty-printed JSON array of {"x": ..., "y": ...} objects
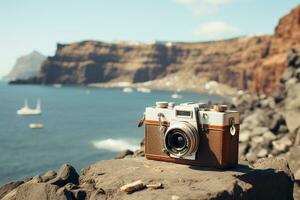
[{"x": 82, "y": 126}]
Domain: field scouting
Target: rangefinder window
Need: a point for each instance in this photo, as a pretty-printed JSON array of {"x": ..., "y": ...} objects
[{"x": 184, "y": 113}]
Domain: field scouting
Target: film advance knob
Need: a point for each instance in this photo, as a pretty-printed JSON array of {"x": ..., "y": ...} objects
[
  {"x": 220, "y": 108},
  {"x": 161, "y": 104},
  {"x": 223, "y": 108},
  {"x": 216, "y": 108},
  {"x": 171, "y": 105}
]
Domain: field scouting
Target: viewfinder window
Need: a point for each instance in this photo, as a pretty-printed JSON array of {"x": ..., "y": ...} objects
[{"x": 184, "y": 113}]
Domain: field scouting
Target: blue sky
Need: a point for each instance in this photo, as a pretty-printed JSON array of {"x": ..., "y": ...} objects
[{"x": 39, "y": 24}]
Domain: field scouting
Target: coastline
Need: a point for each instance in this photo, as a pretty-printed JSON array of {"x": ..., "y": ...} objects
[
  {"x": 199, "y": 87},
  {"x": 203, "y": 87}
]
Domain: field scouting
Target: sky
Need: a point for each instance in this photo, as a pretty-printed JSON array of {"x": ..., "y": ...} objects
[{"x": 39, "y": 25}]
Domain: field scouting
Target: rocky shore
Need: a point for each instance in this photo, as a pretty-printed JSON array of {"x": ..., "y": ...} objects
[
  {"x": 138, "y": 178},
  {"x": 270, "y": 125}
]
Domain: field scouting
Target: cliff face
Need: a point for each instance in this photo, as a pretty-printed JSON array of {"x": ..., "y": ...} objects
[
  {"x": 287, "y": 35},
  {"x": 26, "y": 66},
  {"x": 91, "y": 62},
  {"x": 253, "y": 63}
]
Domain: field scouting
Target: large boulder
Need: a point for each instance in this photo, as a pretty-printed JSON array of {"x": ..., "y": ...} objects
[
  {"x": 268, "y": 179},
  {"x": 66, "y": 174}
]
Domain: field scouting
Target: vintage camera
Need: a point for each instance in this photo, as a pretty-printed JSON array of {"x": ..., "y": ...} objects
[{"x": 192, "y": 133}]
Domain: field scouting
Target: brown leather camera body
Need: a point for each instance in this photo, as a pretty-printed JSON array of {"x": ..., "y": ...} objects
[{"x": 217, "y": 147}]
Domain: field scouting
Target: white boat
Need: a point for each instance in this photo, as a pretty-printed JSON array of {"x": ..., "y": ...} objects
[
  {"x": 57, "y": 85},
  {"x": 176, "y": 96},
  {"x": 144, "y": 90},
  {"x": 29, "y": 111},
  {"x": 36, "y": 125},
  {"x": 127, "y": 90}
]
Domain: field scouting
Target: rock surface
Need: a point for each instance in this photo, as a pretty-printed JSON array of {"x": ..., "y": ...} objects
[
  {"x": 249, "y": 63},
  {"x": 66, "y": 174},
  {"x": 189, "y": 182},
  {"x": 267, "y": 179}
]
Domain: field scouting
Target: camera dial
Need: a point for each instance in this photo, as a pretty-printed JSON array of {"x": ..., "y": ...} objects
[
  {"x": 181, "y": 139},
  {"x": 161, "y": 104}
]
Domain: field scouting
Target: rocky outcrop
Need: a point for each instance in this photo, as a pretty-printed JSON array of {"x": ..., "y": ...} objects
[
  {"x": 66, "y": 174},
  {"x": 287, "y": 32},
  {"x": 249, "y": 63},
  {"x": 26, "y": 66},
  {"x": 270, "y": 125},
  {"x": 138, "y": 178},
  {"x": 268, "y": 72},
  {"x": 61, "y": 186}
]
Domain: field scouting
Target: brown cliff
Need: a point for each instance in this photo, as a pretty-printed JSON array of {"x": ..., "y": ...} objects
[
  {"x": 248, "y": 63},
  {"x": 287, "y": 35}
]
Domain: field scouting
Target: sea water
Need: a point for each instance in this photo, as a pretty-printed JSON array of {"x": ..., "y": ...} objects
[{"x": 81, "y": 126}]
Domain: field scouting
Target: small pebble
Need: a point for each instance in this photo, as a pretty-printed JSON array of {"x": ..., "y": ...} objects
[{"x": 174, "y": 197}]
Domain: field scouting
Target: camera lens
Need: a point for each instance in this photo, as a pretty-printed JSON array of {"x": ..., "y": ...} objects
[
  {"x": 177, "y": 141},
  {"x": 181, "y": 139}
]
